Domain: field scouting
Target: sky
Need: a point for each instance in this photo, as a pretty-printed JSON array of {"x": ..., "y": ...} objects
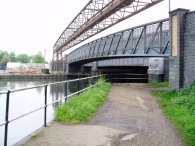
[{"x": 30, "y": 26}]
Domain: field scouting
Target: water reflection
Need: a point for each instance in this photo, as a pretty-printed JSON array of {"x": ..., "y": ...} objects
[
  {"x": 57, "y": 91},
  {"x": 23, "y": 102},
  {"x": 26, "y": 101}
]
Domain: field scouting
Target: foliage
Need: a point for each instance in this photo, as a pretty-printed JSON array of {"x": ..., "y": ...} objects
[
  {"x": 23, "y": 58},
  {"x": 80, "y": 108},
  {"x": 38, "y": 58},
  {"x": 179, "y": 107},
  {"x": 5, "y": 59},
  {"x": 12, "y": 56},
  {"x": 158, "y": 84},
  {"x": 1, "y": 54}
]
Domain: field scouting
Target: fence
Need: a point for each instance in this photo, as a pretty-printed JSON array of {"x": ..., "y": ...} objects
[
  {"x": 92, "y": 80},
  {"x": 127, "y": 78}
]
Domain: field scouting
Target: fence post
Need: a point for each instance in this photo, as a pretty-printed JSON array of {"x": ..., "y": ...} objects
[
  {"x": 66, "y": 90},
  {"x": 6, "y": 118},
  {"x": 45, "y": 109},
  {"x": 78, "y": 87},
  {"x": 92, "y": 81}
]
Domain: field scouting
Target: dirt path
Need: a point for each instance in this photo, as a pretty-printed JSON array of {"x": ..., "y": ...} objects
[{"x": 130, "y": 117}]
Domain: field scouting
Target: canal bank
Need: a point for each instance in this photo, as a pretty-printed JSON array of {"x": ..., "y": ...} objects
[
  {"x": 9, "y": 77},
  {"x": 130, "y": 117},
  {"x": 31, "y": 77},
  {"x": 30, "y": 98}
]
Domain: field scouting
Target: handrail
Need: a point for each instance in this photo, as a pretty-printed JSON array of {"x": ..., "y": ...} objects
[
  {"x": 38, "y": 86},
  {"x": 7, "y": 120}
]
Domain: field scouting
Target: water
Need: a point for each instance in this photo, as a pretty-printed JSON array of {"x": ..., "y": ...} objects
[{"x": 25, "y": 101}]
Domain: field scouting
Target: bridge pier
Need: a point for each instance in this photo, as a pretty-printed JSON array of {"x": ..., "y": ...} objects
[
  {"x": 177, "y": 58},
  {"x": 156, "y": 70},
  {"x": 57, "y": 67},
  {"x": 82, "y": 69}
]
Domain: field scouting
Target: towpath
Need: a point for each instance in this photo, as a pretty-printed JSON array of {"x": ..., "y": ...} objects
[{"x": 129, "y": 117}]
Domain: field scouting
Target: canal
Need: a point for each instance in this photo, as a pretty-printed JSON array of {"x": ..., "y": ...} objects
[{"x": 25, "y": 101}]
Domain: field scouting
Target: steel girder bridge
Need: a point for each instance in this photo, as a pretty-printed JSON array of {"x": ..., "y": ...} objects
[
  {"x": 99, "y": 15},
  {"x": 148, "y": 40}
]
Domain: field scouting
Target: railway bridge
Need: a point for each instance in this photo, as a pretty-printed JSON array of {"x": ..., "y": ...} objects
[
  {"x": 162, "y": 49},
  {"x": 129, "y": 50}
]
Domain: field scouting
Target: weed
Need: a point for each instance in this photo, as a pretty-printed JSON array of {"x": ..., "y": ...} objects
[
  {"x": 179, "y": 107},
  {"x": 80, "y": 108},
  {"x": 158, "y": 84}
]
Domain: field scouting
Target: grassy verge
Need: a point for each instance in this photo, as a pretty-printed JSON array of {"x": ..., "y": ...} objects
[
  {"x": 179, "y": 107},
  {"x": 157, "y": 84},
  {"x": 80, "y": 108}
]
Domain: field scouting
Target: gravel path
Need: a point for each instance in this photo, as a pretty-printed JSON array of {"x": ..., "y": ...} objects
[{"x": 129, "y": 117}]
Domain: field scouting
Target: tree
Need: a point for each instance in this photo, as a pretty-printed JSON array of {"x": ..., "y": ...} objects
[
  {"x": 38, "y": 58},
  {"x": 23, "y": 58},
  {"x": 5, "y": 59},
  {"x": 12, "y": 57},
  {"x": 1, "y": 54}
]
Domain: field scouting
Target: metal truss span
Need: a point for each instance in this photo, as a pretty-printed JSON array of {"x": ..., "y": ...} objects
[
  {"x": 95, "y": 17},
  {"x": 148, "y": 40}
]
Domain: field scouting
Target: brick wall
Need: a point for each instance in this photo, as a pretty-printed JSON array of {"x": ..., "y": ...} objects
[
  {"x": 189, "y": 48},
  {"x": 182, "y": 65},
  {"x": 176, "y": 60}
]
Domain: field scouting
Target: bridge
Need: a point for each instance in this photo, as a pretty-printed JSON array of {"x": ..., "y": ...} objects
[
  {"x": 148, "y": 40},
  {"x": 139, "y": 43},
  {"x": 95, "y": 17},
  {"x": 155, "y": 46}
]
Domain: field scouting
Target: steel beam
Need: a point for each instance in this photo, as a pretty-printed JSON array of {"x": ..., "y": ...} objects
[
  {"x": 97, "y": 16},
  {"x": 136, "y": 35}
]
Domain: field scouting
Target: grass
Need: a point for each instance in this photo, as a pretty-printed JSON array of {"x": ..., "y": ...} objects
[
  {"x": 179, "y": 107},
  {"x": 157, "y": 84},
  {"x": 81, "y": 108}
]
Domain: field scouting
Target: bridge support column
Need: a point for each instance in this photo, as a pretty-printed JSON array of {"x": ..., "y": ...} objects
[
  {"x": 70, "y": 68},
  {"x": 94, "y": 68},
  {"x": 156, "y": 70},
  {"x": 66, "y": 65},
  {"x": 176, "y": 60},
  {"x": 57, "y": 67}
]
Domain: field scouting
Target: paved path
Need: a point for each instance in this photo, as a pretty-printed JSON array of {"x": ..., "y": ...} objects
[{"x": 130, "y": 117}]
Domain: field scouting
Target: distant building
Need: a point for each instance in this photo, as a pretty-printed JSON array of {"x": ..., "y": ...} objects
[{"x": 26, "y": 68}]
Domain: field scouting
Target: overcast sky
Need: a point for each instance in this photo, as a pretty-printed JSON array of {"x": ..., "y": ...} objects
[{"x": 29, "y": 26}]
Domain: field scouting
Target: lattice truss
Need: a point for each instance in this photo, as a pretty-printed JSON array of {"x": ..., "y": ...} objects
[{"x": 97, "y": 16}]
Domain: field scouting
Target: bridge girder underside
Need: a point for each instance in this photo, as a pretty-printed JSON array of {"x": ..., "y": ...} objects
[
  {"x": 148, "y": 40},
  {"x": 95, "y": 17}
]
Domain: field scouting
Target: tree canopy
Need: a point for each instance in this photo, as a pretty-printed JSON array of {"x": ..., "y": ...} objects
[
  {"x": 38, "y": 58},
  {"x": 23, "y": 58},
  {"x": 6, "y": 57}
]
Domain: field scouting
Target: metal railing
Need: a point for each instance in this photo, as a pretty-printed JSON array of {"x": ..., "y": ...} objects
[
  {"x": 92, "y": 80},
  {"x": 127, "y": 78}
]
